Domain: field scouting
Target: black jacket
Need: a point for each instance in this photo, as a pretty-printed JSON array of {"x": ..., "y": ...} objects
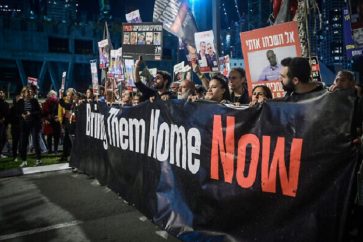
[
  {"x": 35, "y": 113},
  {"x": 4, "y": 109}
]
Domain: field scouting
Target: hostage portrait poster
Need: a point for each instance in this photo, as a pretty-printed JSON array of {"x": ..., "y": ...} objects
[{"x": 263, "y": 50}]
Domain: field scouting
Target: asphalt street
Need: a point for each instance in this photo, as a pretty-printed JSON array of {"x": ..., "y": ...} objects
[{"x": 66, "y": 206}]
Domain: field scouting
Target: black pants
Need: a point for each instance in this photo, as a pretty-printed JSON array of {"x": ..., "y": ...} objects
[
  {"x": 67, "y": 141},
  {"x": 56, "y": 135},
  {"x": 29, "y": 128},
  {"x": 2, "y": 136},
  {"x": 15, "y": 134}
]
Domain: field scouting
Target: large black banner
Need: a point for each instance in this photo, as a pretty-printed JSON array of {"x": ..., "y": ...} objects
[{"x": 282, "y": 171}]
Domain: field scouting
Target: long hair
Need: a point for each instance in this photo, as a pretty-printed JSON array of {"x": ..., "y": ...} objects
[{"x": 222, "y": 80}]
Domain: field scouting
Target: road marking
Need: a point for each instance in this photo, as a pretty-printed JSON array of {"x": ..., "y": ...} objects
[
  {"x": 142, "y": 218},
  {"x": 47, "y": 168},
  {"x": 95, "y": 182},
  {"x": 163, "y": 234},
  {"x": 40, "y": 230}
]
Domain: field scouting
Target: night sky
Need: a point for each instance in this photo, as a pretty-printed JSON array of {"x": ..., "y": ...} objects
[{"x": 120, "y": 7}]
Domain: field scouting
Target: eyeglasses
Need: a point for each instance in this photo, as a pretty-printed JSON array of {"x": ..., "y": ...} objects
[{"x": 258, "y": 94}]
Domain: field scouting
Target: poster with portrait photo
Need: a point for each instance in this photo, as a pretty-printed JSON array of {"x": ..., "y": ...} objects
[
  {"x": 133, "y": 38},
  {"x": 353, "y": 29},
  {"x": 264, "y": 49},
  {"x": 141, "y": 38},
  {"x": 157, "y": 38},
  {"x": 126, "y": 38},
  {"x": 145, "y": 40},
  {"x": 178, "y": 71},
  {"x": 129, "y": 73},
  {"x": 116, "y": 66},
  {"x": 149, "y": 38},
  {"x": 94, "y": 74},
  {"x": 224, "y": 65},
  {"x": 206, "y": 51},
  {"x": 104, "y": 53},
  {"x": 133, "y": 17}
]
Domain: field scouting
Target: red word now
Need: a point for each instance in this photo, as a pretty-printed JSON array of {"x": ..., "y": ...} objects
[{"x": 223, "y": 157}]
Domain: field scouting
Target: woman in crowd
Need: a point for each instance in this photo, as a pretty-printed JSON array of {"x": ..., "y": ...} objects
[
  {"x": 14, "y": 121},
  {"x": 126, "y": 98},
  {"x": 28, "y": 111},
  {"x": 67, "y": 119},
  {"x": 136, "y": 99},
  {"x": 218, "y": 90},
  {"x": 89, "y": 95},
  {"x": 260, "y": 94},
  {"x": 52, "y": 127}
]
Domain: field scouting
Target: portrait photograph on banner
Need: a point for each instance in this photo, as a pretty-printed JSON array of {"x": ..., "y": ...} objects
[
  {"x": 116, "y": 65},
  {"x": 104, "y": 53},
  {"x": 263, "y": 50},
  {"x": 206, "y": 51},
  {"x": 142, "y": 39},
  {"x": 94, "y": 74}
]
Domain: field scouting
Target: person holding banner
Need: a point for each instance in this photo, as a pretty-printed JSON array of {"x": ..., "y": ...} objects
[
  {"x": 67, "y": 119},
  {"x": 260, "y": 94},
  {"x": 298, "y": 80},
  {"x": 343, "y": 80},
  {"x": 218, "y": 90},
  {"x": 238, "y": 86},
  {"x": 186, "y": 88},
  {"x": 271, "y": 72},
  {"x": 161, "y": 83}
]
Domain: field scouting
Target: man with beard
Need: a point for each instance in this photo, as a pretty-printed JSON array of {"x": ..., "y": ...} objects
[
  {"x": 161, "y": 84},
  {"x": 186, "y": 88},
  {"x": 295, "y": 77}
]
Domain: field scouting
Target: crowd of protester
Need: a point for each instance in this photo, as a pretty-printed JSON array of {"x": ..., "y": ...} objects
[{"x": 43, "y": 127}]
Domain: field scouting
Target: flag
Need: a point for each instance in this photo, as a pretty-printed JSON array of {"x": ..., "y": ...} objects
[
  {"x": 32, "y": 81},
  {"x": 176, "y": 18}
]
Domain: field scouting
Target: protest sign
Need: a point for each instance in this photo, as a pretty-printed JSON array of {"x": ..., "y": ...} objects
[
  {"x": 116, "y": 65},
  {"x": 64, "y": 74},
  {"x": 104, "y": 53},
  {"x": 206, "y": 51},
  {"x": 224, "y": 65},
  {"x": 142, "y": 39},
  {"x": 315, "y": 69},
  {"x": 177, "y": 71},
  {"x": 129, "y": 72},
  {"x": 176, "y": 18},
  {"x": 133, "y": 17},
  {"x": 263, "y": 50},
  {"x": 353, "y": 29},
  {"x": 94, "y": 74},
  {"x": 32, "y": 81}
]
